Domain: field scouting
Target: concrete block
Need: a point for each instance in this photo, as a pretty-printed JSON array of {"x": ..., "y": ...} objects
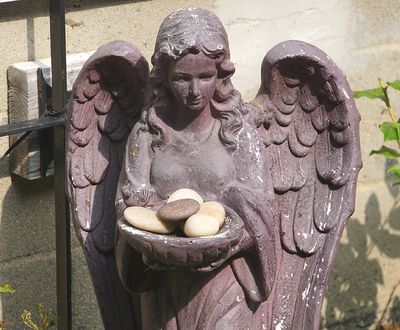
[{"x": 23, "y": 104}]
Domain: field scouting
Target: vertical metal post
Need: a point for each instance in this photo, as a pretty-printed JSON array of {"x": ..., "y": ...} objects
[{"x": 59, "y": 91}]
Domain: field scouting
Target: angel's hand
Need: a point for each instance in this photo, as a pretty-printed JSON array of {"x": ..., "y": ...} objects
[
  {"x": 251, "y": 208},
  {"x": 224, "y": 255}
]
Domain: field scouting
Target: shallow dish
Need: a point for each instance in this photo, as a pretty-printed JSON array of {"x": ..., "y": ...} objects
[{"x": 175, "y": 250}]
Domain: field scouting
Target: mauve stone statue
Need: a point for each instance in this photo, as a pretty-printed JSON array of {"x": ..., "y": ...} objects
[{"x": 284, "y": 166}]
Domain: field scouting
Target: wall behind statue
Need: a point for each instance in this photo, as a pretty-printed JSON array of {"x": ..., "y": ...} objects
[{"x": 361, "y": 36}]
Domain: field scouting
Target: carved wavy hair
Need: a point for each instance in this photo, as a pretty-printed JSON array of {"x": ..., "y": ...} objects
[{"x": 193, "y": 30}]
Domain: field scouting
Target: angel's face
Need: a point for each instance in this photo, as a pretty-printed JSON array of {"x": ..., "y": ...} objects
[{"x": 193, "y": 79}]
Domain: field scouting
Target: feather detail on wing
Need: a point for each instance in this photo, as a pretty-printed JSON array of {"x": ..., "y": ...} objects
[
  {"x": 311, "y": 140},
  {"x": 107, "y": 100}
]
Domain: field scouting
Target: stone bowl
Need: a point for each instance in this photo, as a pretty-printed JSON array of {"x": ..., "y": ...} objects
[{"x": 179, "y": 251}]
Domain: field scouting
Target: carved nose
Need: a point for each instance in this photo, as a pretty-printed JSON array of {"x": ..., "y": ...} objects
[{"x": 194, "y": 89}]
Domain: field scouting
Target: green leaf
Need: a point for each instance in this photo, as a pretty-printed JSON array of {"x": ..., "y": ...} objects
[
  {"x": 390, "y": 131},
  {"x": 375, "y": 93},
  {"x": 6, "y": 288},
  {"x": 395, "y": 169},
  {"x": 46, "y": 319},
  {"x": 386, "y": 152},
  {"x": 395, "y": 84}
]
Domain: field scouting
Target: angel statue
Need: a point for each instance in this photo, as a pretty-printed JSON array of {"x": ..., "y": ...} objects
[{"x": 284, "y": 166}]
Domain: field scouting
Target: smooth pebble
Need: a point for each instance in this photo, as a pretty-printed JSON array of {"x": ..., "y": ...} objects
[
  {"x": 185, "y": 194},
  {"x": 178, "y": 210},
  {"x": 146, "y": 219},
  {"x": 199, "y": 225},
  {"x": 215, "y": 210}
]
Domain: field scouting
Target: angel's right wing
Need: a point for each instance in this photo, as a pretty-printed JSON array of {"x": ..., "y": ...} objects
[{"x": 106, "y": 102}]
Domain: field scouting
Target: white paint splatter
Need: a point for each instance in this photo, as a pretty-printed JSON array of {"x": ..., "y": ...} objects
[
  {"x": 328, "y": 211},
  {"x": 305, "y": 292},
  {"x": 345, "y": 93},
  {"x": 279, "y": 325}
]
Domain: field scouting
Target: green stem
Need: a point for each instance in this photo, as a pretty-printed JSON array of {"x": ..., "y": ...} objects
[{"x": 387, "y": 101}]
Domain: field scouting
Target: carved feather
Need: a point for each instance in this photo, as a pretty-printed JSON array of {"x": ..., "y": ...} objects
[
  {"x": 82, "y": 116},
  {"x": 111, "y": 121},
  {"x": 76, "y": 169},
  {"x": 301, "y": 172},
  {"x": 104, "y": 235},
  {"x": 281, "y": 167},
  {"x": 290, "y": 95},
  {"x": 103, "y": 102},
  {"x": 82, "y": 138},
  {"x": 320, "y": 119},
  {"x": 305, "y": 132},
  {"x": 96, "y": 158},
  {"x": 282, "y": 118},
  {"x": 307, "y": 238},
  {"x": 295, "y": 146},
  {"x": 287, "y": 203},
  {"x": 308, "y": 98}
]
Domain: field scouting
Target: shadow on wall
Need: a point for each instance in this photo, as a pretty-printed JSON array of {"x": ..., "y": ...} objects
[{"x": 351, "y": 297}]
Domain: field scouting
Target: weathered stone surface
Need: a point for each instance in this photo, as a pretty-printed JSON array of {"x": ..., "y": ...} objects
[
  {"x": 178, "y": 210},
  {"x": 307, "y": 152}
]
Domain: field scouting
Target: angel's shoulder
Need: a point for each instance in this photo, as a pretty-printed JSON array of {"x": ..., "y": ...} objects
[
  {"x": 139, "y": 135},
  {"x": 248, "y": 136}
]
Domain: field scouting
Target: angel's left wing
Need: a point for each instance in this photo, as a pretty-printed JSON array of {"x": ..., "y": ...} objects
[{"x": 312, "y": 146}]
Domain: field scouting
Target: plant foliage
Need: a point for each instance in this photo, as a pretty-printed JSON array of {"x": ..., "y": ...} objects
[
  {"x": 46, "y": 320},
  {"x": 389, "y": 129}
]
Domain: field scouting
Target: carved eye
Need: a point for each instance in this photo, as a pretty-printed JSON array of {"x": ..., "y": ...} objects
[
  {"x": 181, "y": 78},
  {"x": 207, "y": 76}
]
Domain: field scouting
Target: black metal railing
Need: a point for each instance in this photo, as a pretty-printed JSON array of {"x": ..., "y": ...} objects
[{"x": 59, "y": 99}]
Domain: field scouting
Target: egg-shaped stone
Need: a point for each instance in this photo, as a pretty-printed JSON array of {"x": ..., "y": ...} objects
[
  {"x": 185, "y": 194},
  {"x": 200, "y": 225},
  {"x": 178, "y": 210},
  {"x": 146, "y": 219},
  {"x": 213, "y": 209}
]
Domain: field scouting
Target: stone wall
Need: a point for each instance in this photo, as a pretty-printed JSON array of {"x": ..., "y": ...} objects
[{"x": 361, "y": 36}]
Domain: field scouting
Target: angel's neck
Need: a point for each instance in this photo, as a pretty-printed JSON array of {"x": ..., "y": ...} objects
[{"x": 191, "y": 122}]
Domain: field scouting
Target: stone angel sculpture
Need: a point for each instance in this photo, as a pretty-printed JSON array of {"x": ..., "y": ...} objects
[{"x": 285, "y": 166}]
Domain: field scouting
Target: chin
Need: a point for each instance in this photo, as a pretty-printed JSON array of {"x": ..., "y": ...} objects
[{"x": 195, "y": 107}]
